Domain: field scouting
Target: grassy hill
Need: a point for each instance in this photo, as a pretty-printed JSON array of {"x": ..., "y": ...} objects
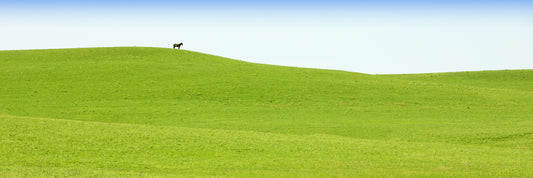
[{"x": 163, "y": 112}]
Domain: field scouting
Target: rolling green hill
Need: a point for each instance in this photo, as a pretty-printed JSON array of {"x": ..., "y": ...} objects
[{"x": 134, "y": 111}]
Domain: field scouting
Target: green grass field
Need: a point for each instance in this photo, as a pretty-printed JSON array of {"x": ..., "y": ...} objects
[{"x": 154, "y": 112}]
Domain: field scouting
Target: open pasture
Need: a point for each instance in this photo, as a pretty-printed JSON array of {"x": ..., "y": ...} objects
[{"x": 136, "y": 111}]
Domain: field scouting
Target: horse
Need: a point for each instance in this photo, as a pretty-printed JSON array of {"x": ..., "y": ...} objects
[{"x": 177, "y": 45}]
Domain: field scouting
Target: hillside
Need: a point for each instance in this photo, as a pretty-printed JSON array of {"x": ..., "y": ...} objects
[{"x": 160, "y": 112}]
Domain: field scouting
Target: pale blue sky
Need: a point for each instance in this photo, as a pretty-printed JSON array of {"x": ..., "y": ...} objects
[{"x": 375, "y": 37}]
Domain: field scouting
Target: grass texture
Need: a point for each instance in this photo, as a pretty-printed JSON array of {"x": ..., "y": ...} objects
[{"x": 136, "y": 111}]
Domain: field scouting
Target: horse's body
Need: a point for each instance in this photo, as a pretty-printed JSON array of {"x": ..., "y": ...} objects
[{"x": 178, "y": 45}]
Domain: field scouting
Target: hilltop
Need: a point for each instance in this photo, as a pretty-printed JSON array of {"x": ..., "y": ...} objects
[{"x": 160, "y": 112}]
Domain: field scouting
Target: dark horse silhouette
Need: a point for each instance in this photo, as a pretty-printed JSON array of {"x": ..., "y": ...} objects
[{"x": 178, "y": 45}]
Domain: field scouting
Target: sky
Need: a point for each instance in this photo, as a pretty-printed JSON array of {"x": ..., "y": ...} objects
[{"x": 367, "y": 36}]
